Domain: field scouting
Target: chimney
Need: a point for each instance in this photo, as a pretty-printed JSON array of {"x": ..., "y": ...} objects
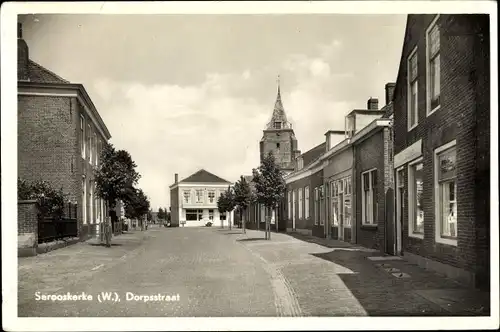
[
  {"x": 372, "y": 104},
  {"x": 176, "y": 177},
  {"x": 22, "y": 55},
  {"x": 389, "y": 92}
]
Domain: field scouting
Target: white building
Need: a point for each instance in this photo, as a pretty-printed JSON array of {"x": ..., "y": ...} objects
[{"x": 193, "y": 201}]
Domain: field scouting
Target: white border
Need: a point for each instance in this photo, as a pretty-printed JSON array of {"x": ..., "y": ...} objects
[
  {"x": 411, "y": 203},
  {"x": 437, "y": 203},
  {"x": 428, "y": 110},
  {"x": 9, "y": 165}
]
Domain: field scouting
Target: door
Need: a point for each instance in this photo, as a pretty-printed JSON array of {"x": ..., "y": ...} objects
[
  {"x": 399, "y": 209},
  {"x": 293, "y": 208},
  {"x": 341, "y": 216},
  {"x": 390, "y": 241}
]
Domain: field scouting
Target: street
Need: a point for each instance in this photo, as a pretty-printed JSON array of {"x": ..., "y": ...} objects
[{"x": 213, "y": 272}]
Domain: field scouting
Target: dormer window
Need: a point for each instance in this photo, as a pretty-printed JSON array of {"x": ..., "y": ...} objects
[{"x": 277, "y": 125}]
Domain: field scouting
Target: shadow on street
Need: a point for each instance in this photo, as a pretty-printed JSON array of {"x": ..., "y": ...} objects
[
  {"x": 252, "y": 239},
  {"x": 383, "y": 294}
]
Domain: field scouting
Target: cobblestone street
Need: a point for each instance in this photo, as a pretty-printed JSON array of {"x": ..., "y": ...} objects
[{"x": 221, "y": 272}]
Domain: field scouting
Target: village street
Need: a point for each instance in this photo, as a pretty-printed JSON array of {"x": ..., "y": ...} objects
[{"x": 220, "y": 272}]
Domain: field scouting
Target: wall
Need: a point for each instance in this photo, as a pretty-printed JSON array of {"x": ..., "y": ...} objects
[
  {"x": 463, "y": 100},
  {"x": 283, "y": 154},
  {"x": 369, "y": 155},
  {"x": 27, "y": 228},
  {"x": 174, "y": 207}
]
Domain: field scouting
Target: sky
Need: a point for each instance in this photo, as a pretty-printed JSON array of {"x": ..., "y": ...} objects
[{"x": 185, "y": 92}]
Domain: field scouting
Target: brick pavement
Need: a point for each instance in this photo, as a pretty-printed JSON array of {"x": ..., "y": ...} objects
[
  {"x": 334, "y": 278},
  {"x": 213, "y": 276}
]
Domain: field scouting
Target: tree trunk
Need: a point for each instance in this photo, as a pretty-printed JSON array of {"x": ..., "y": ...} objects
[{"x": 243, "y": 221}]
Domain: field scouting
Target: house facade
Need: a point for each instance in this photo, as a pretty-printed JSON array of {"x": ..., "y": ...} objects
[
  {"x": 340, "y": 193},
  {"x": 193, "y": 201},
  {"x": 441, "y": 145},
  {"x": 60, "y": 137}
]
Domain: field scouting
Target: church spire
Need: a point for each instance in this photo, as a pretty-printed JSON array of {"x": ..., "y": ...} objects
[{"x": 278, "y": 119}]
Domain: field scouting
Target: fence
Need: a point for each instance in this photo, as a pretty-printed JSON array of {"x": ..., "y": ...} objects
[{"x": 52, "y": 228}]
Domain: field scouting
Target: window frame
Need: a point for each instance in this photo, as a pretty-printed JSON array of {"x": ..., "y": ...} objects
[
  {"x": 300, "y": 202},
  {"x": 321, "y": 200},
  {"x": 409, "y": 84},
  {"x": 437, "y": 199},
  {"x": 82, "y": 136},
  {"x": 307, "y": 209},
  {"x": 373, "y": 208},
  {"x": 432, "y": 25},
  {"x": 411, "y": 199}
]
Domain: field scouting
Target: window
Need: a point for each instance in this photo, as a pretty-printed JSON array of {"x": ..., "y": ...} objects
[
  {"x": 300, "y": 203},
  {"x": 306, "y": 201},
  {"x": 277, "y": 145},
  {"x": 369, "y": 206},
  {"x": 199, "y": 196},
  {"x": 433, "y": 67},
  {"x": 316, "y": 201},
  {"x": 277, "y": 125},
  {"x": 320, "y": 205},
  {"x": 412, "y": 90},
  {"x": 89, "y": 141},
  {"x": 96, "y": 152},
  {"x": 347, "y": 211},
  {"x": 335, "y": 204},
  {"x": 187, "y": 196},
  {"x": 415, "y": 200},
  {"x": 446, "y": 202},
  {"x": 211, "y": 215},
  {"x": 191, "y": 215},
  {"x": 211, "y": 196},
  {"x": 82, "y": 136},
  {"x": 84, "y": 201},
  {"x": 289, "y": 205}
]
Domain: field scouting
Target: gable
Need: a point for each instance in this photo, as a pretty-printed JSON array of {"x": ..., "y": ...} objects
[
  {"x": 203, "y": 176},
  {"x": 40, "y": 74}
]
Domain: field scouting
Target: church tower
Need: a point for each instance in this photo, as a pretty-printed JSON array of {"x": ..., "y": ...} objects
[{"x": 279, "y": 138}]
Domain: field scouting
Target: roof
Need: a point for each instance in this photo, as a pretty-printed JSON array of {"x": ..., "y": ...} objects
[
  {"x": 203, "y": 176},
  {"x": 279, "y": 114},
  {"x": 313, "y": 154},
  {"x": 40, "y": 74}
]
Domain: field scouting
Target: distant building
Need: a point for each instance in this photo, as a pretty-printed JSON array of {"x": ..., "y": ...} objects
[
  {"x": 193, "y": 200},
  {"x": 442, "y": 145},
  {"x": 60, "y": 136}
]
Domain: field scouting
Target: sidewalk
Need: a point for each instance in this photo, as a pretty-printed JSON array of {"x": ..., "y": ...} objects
[
  {"x": 76, "y": 263},
  {"x": 334, "y": 278}
]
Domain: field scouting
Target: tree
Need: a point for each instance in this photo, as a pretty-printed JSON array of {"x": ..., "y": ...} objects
[
  {"x": 136, "y": 205},
  {"x": 270, "y": 186},
  {"x": 230, "y": 202},
  {"x": 222, "y": 206},
  {"x": 150, "y": 215},
  {"x": 242, "y": 197},
  {"x": 161, "y": 214},
  {"x": 51, "y": 201},
  {"x": 115, "y": 176}
]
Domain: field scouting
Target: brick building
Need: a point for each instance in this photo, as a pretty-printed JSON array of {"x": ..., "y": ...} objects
[
  {"x": 304, "y": 196},
  {"x": 373, "y": 181},
  {"x": 60, "y": 136},
  {"x": 441, "y": 145},
  {"x": 325, "y": 195}
]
